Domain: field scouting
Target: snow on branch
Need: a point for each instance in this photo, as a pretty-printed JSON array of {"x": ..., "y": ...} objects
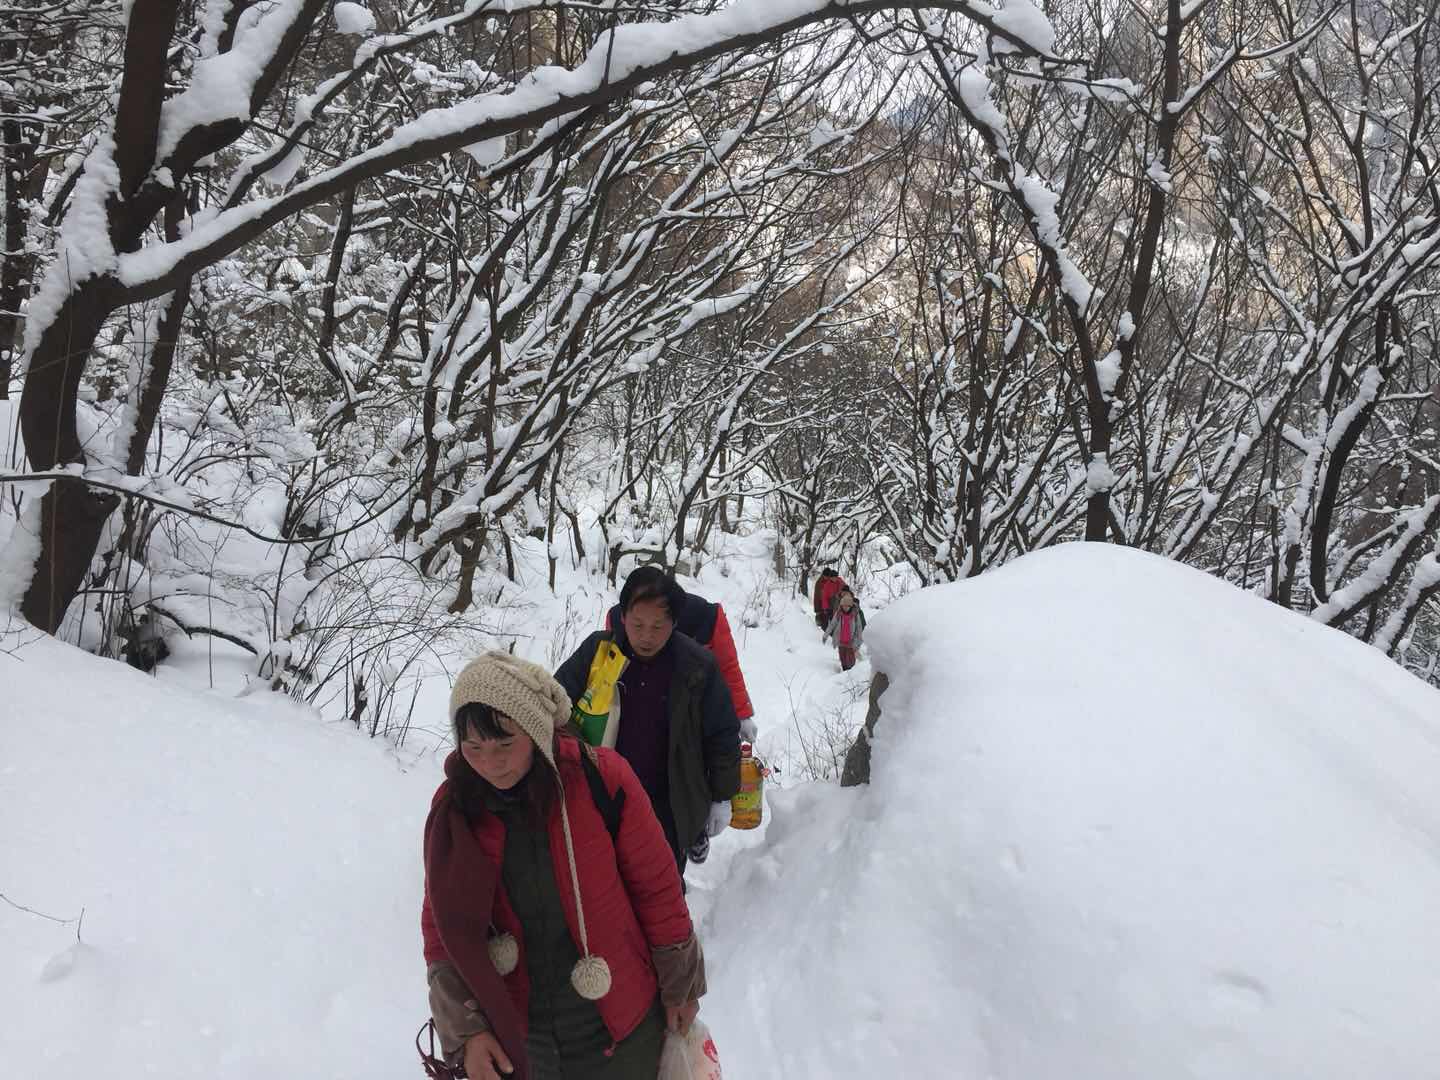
[
  {"x": 1385, "y": 569},
  {"x": 621, "y": 60}
]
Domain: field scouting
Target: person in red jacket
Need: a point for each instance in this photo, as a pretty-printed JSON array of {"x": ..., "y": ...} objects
[
  {"x": 557, "y": 940},
  {"x": 705, "y": 623},
  {"x": 827, "y": 589}
]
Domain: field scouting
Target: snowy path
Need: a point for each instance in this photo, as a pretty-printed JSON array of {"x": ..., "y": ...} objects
[{"x": 807, "y": 711}]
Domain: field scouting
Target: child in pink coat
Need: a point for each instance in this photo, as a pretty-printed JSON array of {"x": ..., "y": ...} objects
[{"x": 847, "y": 628}]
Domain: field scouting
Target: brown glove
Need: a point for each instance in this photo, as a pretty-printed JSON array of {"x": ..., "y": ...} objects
[
  {"x": 456, "y": 1013},
  {"x": 680, "y": 970}
]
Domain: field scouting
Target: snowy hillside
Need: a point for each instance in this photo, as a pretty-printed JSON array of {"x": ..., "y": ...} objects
[
  {"x": 1125, "y": 822},
  {"x": 250, "y": 879}
]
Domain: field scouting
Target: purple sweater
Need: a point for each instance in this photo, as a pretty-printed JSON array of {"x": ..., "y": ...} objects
[{"x": 644, "y": 739}]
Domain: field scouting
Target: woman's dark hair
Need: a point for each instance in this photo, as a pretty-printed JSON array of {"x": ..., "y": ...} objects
[
  {"x": 652, "y": 583},
  {"x": 536, "y": 790}
]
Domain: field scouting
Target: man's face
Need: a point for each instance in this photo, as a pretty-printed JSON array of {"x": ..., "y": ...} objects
[{"x": 648, "y": 625}]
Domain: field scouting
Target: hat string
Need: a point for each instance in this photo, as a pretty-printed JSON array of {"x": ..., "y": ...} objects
[{"x": 574, "y": 873}]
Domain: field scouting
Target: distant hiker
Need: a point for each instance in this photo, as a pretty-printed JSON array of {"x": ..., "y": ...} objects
[
  {"x": 557, "y": 940},
  {"x": 847, "y": 628},
  {"x": 658, "y": 697},
  {"x": 706, "y": 623},
  {"x": 827, "y": 588}
]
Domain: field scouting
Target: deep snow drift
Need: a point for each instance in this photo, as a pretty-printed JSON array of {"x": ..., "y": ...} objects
[
  {"x": 1125, "y": 822},
  {"x": 250, "y": 878}
]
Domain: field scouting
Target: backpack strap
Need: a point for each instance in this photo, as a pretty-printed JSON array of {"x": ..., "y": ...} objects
[{"x": 610, "y": 806}]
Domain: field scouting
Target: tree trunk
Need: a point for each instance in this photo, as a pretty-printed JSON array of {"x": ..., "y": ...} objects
[
  {"x": 162, "y": 356},
  {"x": 71, "y": 518},
  {"x": 23, "y": 181},
  {"x": 469, "y": 550}
]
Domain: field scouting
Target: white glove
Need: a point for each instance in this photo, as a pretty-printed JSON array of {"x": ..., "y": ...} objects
[
  {"x": 718, "y": 820},
  {"x": 747, "y": 730}
]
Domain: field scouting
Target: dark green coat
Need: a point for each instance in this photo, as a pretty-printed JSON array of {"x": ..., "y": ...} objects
[
  {"x": 704, "y": 752},
  {"x": 567, "y": 1037}
]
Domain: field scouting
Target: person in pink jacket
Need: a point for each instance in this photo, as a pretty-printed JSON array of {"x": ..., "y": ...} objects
[{"x": 847, "y": 628}]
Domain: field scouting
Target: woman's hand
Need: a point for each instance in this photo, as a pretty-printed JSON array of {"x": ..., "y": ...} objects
[
  {"x": 678, "y": 1018},
  {"x": 485, "y": 1060}
]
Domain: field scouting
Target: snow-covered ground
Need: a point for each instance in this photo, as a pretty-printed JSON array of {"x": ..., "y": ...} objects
[
  {"x": 249, "y": 878},
  {"x": 1125, "y": 822}
]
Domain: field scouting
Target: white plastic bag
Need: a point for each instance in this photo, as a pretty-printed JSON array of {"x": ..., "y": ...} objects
[{"x": 690, "y": 1057}]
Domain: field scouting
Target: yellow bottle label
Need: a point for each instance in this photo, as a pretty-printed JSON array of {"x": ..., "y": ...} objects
[{"x": 747, "y": 807}]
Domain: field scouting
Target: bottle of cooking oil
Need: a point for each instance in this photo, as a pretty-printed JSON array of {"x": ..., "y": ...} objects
[{"x": 747, "y": 807}]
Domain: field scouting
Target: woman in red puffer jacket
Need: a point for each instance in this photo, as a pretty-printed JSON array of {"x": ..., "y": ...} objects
[{"x": 553, "y": 947}]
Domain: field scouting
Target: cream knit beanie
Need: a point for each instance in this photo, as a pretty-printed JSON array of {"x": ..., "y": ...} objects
[
  {"x": 538, "y": 705},
  {"x": 523, "y": 691}
]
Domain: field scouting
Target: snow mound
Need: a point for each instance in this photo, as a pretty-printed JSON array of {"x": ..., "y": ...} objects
[
  {"x": 250, "y": 878},
  {"x": 1125, "y": 821}
]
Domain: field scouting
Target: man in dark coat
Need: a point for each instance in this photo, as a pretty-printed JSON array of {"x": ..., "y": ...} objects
[
  {"x": 705, "y": 623},
  {"x": 671, "y": 717}
]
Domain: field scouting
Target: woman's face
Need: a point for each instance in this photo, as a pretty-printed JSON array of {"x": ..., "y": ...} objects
[
  {"x": 847, "y": 601},
  {"x": 502, "y": 762}
]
